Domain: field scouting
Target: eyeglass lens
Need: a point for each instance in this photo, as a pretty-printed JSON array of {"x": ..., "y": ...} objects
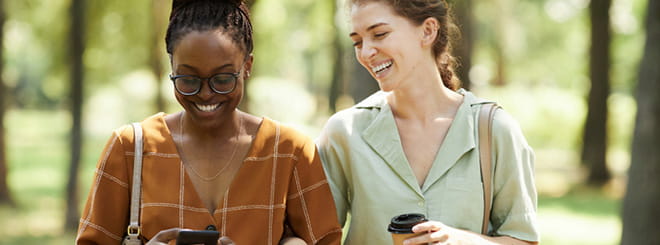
[{"x": 220, "y": 83}]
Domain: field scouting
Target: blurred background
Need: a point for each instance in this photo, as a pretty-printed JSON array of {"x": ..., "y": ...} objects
[{"x": 570, "y": 71}]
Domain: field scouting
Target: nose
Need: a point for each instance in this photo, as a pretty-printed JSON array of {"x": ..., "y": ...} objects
[
  {"x": 367, "y": 51},
  {"x": 205, "y": 91}
]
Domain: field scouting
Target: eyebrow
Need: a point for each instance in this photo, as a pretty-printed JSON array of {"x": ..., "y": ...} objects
[
  {"x": 369, "y": 28},
  {"x": 195, "y": 69}
]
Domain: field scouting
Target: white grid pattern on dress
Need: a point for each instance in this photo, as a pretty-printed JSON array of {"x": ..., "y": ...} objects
[
  {"x": 97, "y": 181},
  {"x": 303, "y": 204},
  {"x": 272, "y": 184}
]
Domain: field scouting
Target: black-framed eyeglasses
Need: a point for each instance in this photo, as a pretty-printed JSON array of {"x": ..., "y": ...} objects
[{"x": 221, "y": 83}]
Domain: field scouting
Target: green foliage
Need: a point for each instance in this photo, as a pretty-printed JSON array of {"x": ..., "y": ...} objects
[
  {"x": 38, "y": 156},
  {"x": 537, "y": 49},
  {"x": 293, "y": 41},
  {"x": 37, "y": 42},
  {"x": 545, "y": 52},
  {"x": 37, "y": 34},
  {"x": 549, "y": 116},
  {"x": 579, "y": 218},
  {"x": 118, "y": 39}
]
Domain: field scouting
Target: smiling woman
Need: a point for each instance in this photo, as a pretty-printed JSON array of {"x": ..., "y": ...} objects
[
  {"x": 415, "y": 150},
  {"x": 212, "y": 166}
]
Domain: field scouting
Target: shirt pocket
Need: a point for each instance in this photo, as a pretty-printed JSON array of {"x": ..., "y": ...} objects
[
  {"x": 462, "y": 205},
  {"x": 463, "y": 183}
]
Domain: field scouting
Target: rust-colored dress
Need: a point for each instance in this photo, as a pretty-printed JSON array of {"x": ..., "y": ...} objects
[{"x": 281, "y": 180}]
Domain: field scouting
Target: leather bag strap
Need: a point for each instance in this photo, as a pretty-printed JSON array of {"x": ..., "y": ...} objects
[
  {"x": 486, "y": 114},
  {"x": 134, "y": 225}
]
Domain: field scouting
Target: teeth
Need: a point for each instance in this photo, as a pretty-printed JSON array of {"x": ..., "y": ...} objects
[
  {"x": 207, "y": 108},
  {"x": 381, "y": 67}
]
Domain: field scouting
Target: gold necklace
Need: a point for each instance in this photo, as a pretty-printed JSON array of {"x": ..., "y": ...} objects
[{"x": 208, "y": 179}]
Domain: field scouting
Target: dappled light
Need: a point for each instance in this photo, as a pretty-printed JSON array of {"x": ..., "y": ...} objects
[{"x": 532, "y": 57}]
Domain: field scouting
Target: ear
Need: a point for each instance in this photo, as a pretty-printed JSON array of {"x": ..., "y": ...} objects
[
  {"x": 248, "y": 67},
  {"x": 430, "y": 28}
]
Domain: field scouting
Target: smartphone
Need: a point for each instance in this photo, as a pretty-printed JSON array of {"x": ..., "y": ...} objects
[{"x": 197, "y": 237}]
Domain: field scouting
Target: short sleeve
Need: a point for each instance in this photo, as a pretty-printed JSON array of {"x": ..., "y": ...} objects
[
  {"x": 331, "y": 144},
  {"x": 310, "y": 200},
  {"x": 105, "y": 216},
  {"x": 514, "y": 197}
]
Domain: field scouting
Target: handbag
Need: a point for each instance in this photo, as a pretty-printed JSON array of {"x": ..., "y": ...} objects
[
  {"x": 486, "y": 115},
  {"x": 133, "y": 231}
]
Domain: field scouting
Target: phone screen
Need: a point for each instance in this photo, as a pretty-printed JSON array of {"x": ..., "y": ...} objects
[{"x": 197, "y": 237}]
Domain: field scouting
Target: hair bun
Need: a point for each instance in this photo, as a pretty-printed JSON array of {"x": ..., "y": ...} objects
[{"x": 178, "y": 4}]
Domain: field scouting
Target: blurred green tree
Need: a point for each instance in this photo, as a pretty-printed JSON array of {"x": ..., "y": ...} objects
[
  {"x": 640, "y": 205},
  {"x": 156, "y": 46},
  {"x": 5, "y": 195},
  {"x": 245, "y": 103},
  {"x": 338, "y": 79},
  {"x": 465, "y": 44},
  {"x": 360, "y": 83},
  {"x": 594, "y": 146},
  {"x": 76, "y": 49},
  {"x": 501, "y": 25}
]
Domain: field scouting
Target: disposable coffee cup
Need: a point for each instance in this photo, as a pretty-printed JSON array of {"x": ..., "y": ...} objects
[{"x": 401, "y": 226}]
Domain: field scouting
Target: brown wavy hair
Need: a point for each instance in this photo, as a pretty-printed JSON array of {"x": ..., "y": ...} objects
[{"x": 419, "y": 10}]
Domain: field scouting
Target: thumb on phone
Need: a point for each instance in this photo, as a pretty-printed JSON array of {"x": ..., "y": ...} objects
[
  {"x": 225, "y": 241},
  {"x": 165, "y": 236}
]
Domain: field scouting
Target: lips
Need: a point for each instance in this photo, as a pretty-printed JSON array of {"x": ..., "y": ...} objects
[
  {"x": 382, "y": 67},
  {"x": 207, "y": 108}
]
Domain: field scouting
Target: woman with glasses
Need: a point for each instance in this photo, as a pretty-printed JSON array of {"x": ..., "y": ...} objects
[
  {"x": 212, "y": 166},
  {"x": 413, "y": 146}
]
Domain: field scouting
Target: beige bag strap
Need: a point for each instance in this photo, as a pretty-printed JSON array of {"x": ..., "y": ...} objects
[
  {"x": 134, "y": 223},
  {"x": 486, "y": 114}
]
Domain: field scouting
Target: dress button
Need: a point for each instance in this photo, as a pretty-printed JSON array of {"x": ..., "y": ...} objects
[
  {"x": 421, "y": 204},
  {"x": 211, "y": 228}
]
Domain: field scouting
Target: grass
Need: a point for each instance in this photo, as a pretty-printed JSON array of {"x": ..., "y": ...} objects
[
  {"x": 38, "y": 156},
  {"x": 581, "y": 217}
]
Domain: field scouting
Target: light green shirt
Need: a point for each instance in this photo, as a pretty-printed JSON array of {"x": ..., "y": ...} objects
[{"x": 372, "y": 181}]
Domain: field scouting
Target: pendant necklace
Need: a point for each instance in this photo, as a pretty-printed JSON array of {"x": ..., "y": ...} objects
[{"x": 194, "y": 171}]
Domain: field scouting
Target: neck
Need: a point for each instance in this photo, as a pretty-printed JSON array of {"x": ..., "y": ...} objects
[
  {"x": 226, "y": 129},
  {"x": 424, "y": 99}
]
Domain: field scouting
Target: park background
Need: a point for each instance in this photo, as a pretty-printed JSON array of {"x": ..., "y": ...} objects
[{"x": 567, "y": 70}]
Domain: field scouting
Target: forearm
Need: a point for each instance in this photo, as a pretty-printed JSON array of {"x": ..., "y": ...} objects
[
  {"x": 510, "y": 241},
  {"x": 434, "y": 231},
  {"x": 499, "y": 240}
]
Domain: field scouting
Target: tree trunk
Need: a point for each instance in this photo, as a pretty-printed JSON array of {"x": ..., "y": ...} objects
[
  {"x": 595, "y": 131},
  {"x": 5, "y": 196},
  {"x": 640, "y": 205},
  {"x": 245, "y": 102},
  {"x": 465, "y": 45},
  {"x": 77, "y": 32},
  {"x": 158, "y": 18},
  {"x": 337, "y": 80},
  {"x": 501, "y": 33},
  {"x": 361, "y": 84}
]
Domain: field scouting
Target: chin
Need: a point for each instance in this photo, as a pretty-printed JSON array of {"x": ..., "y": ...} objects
[{"x": 385, "y": 86}]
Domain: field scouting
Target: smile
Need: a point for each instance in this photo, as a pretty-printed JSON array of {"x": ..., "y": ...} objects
[
  {"x": 207, "y": 108},
  {"x": 379, "y": 68}
]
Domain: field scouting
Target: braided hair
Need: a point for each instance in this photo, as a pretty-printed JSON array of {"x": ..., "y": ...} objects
[{"x": 231, "y": 16}]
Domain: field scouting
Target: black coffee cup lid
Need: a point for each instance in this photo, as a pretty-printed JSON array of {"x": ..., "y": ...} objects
[{"x": 405, "y": 222}]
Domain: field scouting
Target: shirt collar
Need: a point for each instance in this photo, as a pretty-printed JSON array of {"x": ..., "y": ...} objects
[{"x": 383, "y": 137}]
